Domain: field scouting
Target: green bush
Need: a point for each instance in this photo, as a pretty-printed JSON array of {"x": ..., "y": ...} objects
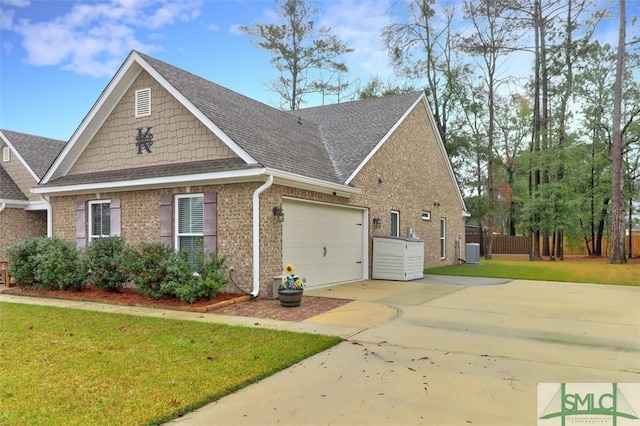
[
  {"x": 59, "y": 266},
  {"x": 108, "y": 262},
  {"x": 22, "y": 264},
  {"x": 149, "y": 269},
  {"x": 46, "y": 263},
  {"x": 190, "y": 284}
]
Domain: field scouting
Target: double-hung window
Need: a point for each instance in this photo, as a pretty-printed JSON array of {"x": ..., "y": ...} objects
[
  {"x": 395, "y": 223},
  {"x": 443, "y": 238},
  {"x": 99, "y": 219},
  {"x": 189, "y": 233}
]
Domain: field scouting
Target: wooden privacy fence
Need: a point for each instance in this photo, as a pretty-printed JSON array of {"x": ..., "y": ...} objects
[{"x": 520, "y": 244}]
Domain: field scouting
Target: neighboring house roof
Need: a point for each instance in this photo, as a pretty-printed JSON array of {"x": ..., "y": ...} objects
[
  {"x": 8, "y": 188},
  {"x": 35, "y": 152}
]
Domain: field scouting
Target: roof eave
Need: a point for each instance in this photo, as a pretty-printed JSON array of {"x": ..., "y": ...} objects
[
  {"x": 317, "y": 185},
  {"x": 152, "y": 183}
]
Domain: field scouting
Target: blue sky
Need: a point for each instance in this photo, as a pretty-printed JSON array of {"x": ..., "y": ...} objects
[{"x": 56, "y": 56}]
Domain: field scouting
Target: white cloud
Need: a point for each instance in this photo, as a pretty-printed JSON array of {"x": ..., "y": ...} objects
[
  {"x": 92, "y": 38},
  {"x": 359, "y": 24}
]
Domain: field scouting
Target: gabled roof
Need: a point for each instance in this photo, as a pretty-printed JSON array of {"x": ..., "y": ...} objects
[
  {"x": 328, "y": 146},
  {"x": 8, "y": 188},
  {"x": 323, "y": 146},
  {"x": 36, "y": 153},
  {"x": 352, "y": 130}
]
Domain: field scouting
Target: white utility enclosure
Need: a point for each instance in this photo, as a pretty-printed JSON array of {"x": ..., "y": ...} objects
[{"x": 398, "y": 259}]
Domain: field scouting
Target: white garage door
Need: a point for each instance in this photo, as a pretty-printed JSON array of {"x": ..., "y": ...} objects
[{"x": 324, "y": 242}]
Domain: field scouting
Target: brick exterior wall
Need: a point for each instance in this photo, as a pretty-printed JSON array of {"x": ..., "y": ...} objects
[
  {"x": 177, "y": 135},
  {"x": 415, "y": 176},
  {"x": 23, "y": 224}
]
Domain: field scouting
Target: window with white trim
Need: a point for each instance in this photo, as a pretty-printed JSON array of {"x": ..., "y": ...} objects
[
  {"x": 143, "y": 102},
  {"x": 99, "y": 219},
  {"x": 189, "y": 225},
  {"x": 443, "y": 238},
  {"x": 6, "y": 154},
  {"x": 395, "y": 223}
]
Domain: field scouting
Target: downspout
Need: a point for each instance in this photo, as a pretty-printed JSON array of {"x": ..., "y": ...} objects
[
  {"x": 2, "y": 207},
  {"x": 49, "y": 217},
  {"x": 256, "y": 234}
]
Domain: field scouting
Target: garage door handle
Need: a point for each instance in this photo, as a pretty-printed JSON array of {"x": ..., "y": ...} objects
[{"x": 325, "y": 252}]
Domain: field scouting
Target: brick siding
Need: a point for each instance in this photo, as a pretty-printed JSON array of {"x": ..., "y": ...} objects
[{"x": 23, "y": 224}]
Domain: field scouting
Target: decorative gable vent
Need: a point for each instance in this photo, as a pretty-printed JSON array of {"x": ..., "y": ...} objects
[
  {"x": 143, "y": 102},
  {"x": 6, "y": 154}
]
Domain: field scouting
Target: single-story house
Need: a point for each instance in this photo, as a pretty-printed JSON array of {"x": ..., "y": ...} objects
[
  {"x": 165, "y": 155},
  {"x": 25, "y": 160}
]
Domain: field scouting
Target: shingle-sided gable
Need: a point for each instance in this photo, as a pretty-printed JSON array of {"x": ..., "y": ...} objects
[
  {"x": 8, "y": 188},
  {"x": 38, "y": 152}
]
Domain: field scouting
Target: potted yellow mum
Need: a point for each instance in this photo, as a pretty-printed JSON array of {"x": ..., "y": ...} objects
[{"x": 291, "y": 288}]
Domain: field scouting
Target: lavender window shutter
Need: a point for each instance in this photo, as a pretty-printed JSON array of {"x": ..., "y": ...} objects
[
  {"x": 81, "y": 225},
  {"x": 166, "y": 222},
  {"x": 210, "y": 231},
  {"x": 115, "y": 217}
]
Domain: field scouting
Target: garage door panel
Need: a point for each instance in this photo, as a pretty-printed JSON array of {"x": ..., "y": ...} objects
[{"x": 324, "y": 242}]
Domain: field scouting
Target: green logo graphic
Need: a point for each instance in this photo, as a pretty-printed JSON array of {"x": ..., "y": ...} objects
[{"x": 565, "y": 404}]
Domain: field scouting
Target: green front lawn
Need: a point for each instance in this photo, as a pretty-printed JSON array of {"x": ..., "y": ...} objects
[
  {"x": 73, "y": 367},
  {"x": 572, "y": 270}
]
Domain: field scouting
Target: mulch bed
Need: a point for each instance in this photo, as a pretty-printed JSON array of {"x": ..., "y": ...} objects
[{"x": 223, "y": 303}]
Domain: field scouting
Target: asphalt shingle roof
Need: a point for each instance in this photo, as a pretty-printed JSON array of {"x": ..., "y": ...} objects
[
  {"x": 8, "y": 188},
  {"x": 37, "y": 151},
  {"x": 351, "y": 130},
  {"x": 274, "y": 138},
  {"x": 326, "y": 143}
]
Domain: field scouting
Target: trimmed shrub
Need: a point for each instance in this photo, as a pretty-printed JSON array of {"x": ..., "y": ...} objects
[
  {"x": 22, "y": 265},
  {"x": 149, "y": 265},
  {"x": 46, "y": 263},
  {"x": 59, "y": 266},
  {"x": 190, "y": 285},
  {"x": 108, "y": 263}
]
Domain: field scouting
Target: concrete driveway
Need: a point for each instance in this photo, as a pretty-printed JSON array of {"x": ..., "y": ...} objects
[{"x": 445, "y": 351}]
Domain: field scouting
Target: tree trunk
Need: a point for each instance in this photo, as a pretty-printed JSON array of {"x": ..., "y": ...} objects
[{"x": 617, "y": 203}]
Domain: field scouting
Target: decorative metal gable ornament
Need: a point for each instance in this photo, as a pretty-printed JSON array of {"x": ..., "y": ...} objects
[{"x": 144, "y": 140}]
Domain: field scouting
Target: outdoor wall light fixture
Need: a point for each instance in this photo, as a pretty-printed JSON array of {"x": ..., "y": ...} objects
[
  {"x": 278, "y": 213},
  {"x": 436, "y": 204},
  {"x": 377, "y": 222}
]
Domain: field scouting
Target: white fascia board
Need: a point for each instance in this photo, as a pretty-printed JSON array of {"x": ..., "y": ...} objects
[
  {"x": 382, "y": 141},
  {"x": 14, "y": 204},
  {"x": 36, "y": 206},
  {"x": 196, "y": 112},
  {"x": 297, "y": 181},
  {"x": 129, "y": 185},
  {"x": 89, "y": 126},
  {"x": 17, "y": 154}
]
